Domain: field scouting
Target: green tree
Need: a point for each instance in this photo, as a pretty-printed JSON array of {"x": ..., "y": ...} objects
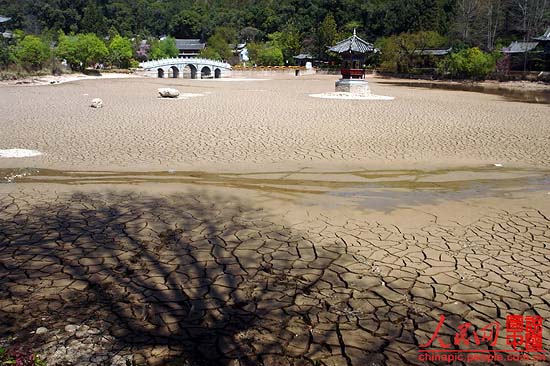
[
  {"x": 67, "y": 49},
  {"x": 250, "y": 34},
  {"x": 187, "y": 24},
  {"x": 328, "y": 34},
  {"x": 32, "y": 52},
  {"x": 399, "y": 51},
  {"x": 229, "y": 34},
  {"x": 210, "y": 53},
  {"x": 270, "y": 56},
  {"x": 217, "y": 46},
  {"x": 92, "y": 49},
  {"x": 288, "y": 40},
  {"x": 254, "y": 49},
  {"x": 5, "y": 54},
  {"x": 81, "y": 50},
  {"x": 120, "y": 51},
  {"x": 93, "y": 20},
  {"x": 163, "y": 49},
  {"x": 469, "y": 63},
  {"x": 8, "y": 51}
]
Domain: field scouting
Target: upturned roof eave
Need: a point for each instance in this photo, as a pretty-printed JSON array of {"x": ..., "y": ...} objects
[{"x": 352, "y": 44}]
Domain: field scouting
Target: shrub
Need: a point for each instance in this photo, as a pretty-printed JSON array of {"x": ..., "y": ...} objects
[
  {"x": 19, "y": 356},
  {"x": 270, "y": 56},
  {"x": 469, "y": 63},
  {"x": 120, "y": 51},
  {"x": 398, "y": 52},
  {"x": 210, "y": 53},
  {"x": 164, "y": 49},
  {"x": 217, "y": 48},
  {"x": 32, "y": 52},
  {"x": 7, "y": 53},
  {"x": 134, "y": 64}
]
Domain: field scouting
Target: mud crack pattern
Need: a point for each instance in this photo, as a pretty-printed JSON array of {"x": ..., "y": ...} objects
[{"x": 213, "y": 280}]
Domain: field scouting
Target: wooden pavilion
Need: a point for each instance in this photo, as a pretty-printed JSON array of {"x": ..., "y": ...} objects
[{"x": 353, "y": 51}]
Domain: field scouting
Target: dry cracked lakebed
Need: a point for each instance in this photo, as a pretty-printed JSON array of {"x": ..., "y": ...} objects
[{"x": 241, "y": 272}]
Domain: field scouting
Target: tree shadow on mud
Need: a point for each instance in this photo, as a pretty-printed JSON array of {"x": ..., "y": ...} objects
[{"x": 198, "y": 278}]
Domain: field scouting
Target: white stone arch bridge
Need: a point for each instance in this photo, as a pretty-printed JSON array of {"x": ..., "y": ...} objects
[{"x": 190, "y": 68}]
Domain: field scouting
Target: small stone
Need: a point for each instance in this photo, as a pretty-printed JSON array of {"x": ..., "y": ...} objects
[
  {"x": 168, "y": 92},
  {"x": 97, "y": 103},
  {"x": 80, "y": 334},
  {"x": 71, "y": 328},
  {"x": 41, "y": 330},
  {"x": 94, "y": 331}
]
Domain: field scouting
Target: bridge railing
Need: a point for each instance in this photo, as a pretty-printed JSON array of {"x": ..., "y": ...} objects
[{"x": 179, "y": 61}]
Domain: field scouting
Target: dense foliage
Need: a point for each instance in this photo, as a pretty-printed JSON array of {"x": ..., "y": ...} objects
[
  {"x": 274, "y": 30},
  {"x": 477, "y": 22},
  {"x": 81, "y": 50},
  {"x": 400, "y": 51},
  {"x": 121, "y": 51},
  {"x": 468, "y": 63},
  {"x": 163, "y": 49},
  {"x": 19, "y": 356},
  {"x": 32, "y": 52}
]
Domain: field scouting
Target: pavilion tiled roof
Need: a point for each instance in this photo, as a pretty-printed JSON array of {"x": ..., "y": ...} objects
[
  {"x": 520, "y": 47},
  {"x": 545, "y": 36},
  {"x": 189, "y": 44},
  {"x": 303, "y": 56},
  {"x": 434, "y": 52},
  {"x": 353, "y": 44}
]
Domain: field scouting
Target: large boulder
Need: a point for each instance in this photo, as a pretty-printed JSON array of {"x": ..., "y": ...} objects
[
  {"x": 97, "y": 103},
  {"x": 169, "y": 92}
]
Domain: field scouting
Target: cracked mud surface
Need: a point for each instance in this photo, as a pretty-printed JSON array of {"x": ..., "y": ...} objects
[
  {"x": 234, "y": 124},
  {"x": 220, "y": 277}
]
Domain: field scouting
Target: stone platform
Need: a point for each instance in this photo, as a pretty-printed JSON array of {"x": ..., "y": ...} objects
[{"x": 355, "y": 86}]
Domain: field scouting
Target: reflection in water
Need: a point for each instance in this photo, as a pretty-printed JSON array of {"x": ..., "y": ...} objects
[{"x": 527, "y": 96}]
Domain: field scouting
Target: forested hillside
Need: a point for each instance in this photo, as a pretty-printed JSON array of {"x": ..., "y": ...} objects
[
  {"x": 88, "y": 33},
  {"x": 475, "y": 22}
]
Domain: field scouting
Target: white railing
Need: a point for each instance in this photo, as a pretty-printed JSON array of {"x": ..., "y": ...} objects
[{"x": 180, "y": 61}]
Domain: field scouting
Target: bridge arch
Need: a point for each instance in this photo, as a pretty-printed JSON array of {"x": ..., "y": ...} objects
[
  {"x": 189, "y": 72},
  {"x": 206, "y": 72},
  {"x": 186, "y": 68},
  {"x": 173, "y": 72}
]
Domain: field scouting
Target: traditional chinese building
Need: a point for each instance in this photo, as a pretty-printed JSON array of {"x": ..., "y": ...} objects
[
  {"x": 520, "y": 56},
  {"x": 189, "y": 47},
  {"x": 3, "y": 31},
  {"x": 353, "y": 51},
  {"x": 544, "y": 42},
  {"x": 527, "y": 55},
  {"x": 303, "y": 58},
  {"x": 429, "y": 58}
]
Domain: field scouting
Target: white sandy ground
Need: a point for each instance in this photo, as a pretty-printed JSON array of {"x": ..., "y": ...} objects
[
  {"x": 65, "y": 78},
  {"x": 237, "y": 128},
  {"x": 18, "y": 153},
  {"x": 351, "y": 96},
  {"x": 238, "y": 79}
]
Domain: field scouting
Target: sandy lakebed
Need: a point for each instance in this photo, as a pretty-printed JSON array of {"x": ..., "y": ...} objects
[{"x": 252, "y": 224}]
